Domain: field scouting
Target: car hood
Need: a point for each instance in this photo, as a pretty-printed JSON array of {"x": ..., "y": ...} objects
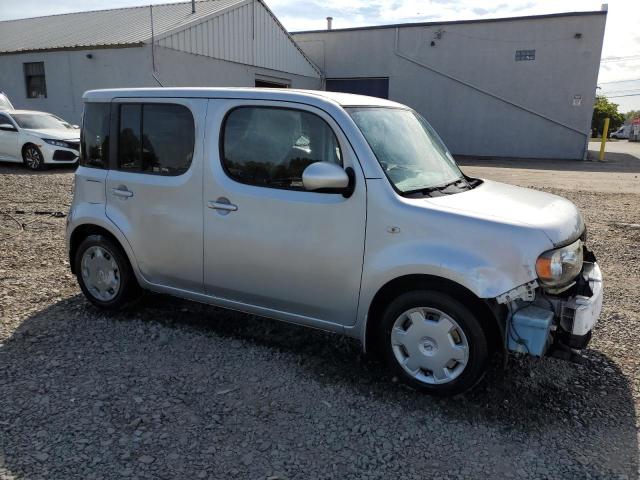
[
  {"x": 557, "y": 217},
  {"x": 54, "y": 133}
]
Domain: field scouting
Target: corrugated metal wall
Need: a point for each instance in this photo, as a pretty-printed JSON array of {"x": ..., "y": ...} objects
[
  {"x": 119, "y": 26},
  {"x": 247, "y": 33}
]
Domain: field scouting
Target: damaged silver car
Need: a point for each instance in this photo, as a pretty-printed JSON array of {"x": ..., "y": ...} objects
[{"x": 340, "y": 212}]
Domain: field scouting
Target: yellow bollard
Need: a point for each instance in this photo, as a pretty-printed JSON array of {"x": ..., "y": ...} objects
[{"x": 605, "y": 132}]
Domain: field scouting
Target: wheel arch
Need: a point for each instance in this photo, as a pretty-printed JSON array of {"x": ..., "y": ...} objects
[
  {"x": 83, "y": 231},
  {"x": 26, "y": 144},
  {"x": 491, "y": 315}
]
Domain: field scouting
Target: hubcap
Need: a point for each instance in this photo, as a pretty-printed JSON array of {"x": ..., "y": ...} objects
[
  {"x": 429, "y": 345},
  {"x": 33, "y": 157},
  {"x": 100, "y": 273}
]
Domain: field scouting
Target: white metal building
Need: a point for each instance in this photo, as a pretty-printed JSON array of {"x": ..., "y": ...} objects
[
  {"x": 47, "y": 63},
  {"x": 510, "y": 87}
]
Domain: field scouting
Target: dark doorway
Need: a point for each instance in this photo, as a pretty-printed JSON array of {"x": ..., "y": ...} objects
[
  {"x": 266, "y": 84},
  {"x": 374, "y": 87}
]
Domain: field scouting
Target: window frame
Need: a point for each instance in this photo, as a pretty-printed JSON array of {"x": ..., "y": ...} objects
[
  {"x": 221, "y": 156},
  {"x": 27, "y": 77},
  {"x": 114, "y": 144}
]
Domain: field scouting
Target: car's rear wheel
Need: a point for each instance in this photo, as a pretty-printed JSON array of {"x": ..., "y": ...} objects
[
  {"x": 104, "y": 273},
  {"x": 434, "y": 343},
  {"x": 33, "y": 158}
]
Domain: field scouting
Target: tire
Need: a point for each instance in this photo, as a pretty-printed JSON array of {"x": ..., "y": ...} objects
[
  {"x": 32, "y": 158},
  {"x": 104, "y": 273},
  {"x": 423, "y": 329}
]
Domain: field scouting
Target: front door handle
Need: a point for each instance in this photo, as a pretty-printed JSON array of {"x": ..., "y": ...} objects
[
  {"x": 121, "y": 192},
  {"x": 223, "y": 205}
]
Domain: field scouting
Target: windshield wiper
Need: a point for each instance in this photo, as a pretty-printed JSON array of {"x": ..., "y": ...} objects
[{"x": 439, "y": 189}]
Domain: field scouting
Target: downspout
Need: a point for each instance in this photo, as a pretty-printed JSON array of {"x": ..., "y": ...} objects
[
  {"x": 398, "y": 53},
  {"x": 153, "y": 47}
]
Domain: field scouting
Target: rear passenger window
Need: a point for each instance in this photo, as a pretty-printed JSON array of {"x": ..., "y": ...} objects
[
  {"x": 271, "y": 147},
  {"x": 129, "y": 143},
  {"x": 94, "y": 141},
  {"x": 155, "y": 138}
]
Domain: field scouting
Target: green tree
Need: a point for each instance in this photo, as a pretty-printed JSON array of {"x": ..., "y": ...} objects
[
  {"x": 631, "y": 114},
  {"x": 602, "y": 109}
]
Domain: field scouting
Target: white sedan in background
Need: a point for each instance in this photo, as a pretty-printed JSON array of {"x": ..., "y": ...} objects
[{"x": 37, "y": 139}]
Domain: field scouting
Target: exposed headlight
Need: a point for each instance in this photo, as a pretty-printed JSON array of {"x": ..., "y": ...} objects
[
  {"x": 57, "y": 143},
  {"x": 559, "y": 267}
]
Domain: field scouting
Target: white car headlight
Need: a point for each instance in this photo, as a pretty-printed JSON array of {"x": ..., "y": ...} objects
[
  {"x": 561, "y": 266},
  {"x": 57, "y": 143}
]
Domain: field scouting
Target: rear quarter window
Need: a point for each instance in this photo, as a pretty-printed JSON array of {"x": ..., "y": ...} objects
[{"x": 94, "y": 137}]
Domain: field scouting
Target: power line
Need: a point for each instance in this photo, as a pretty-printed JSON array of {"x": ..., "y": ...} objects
[
  {"x": 618, "y": 96},
  {"x": 619, "y": 59},
  {"x": 621, "y": 91},
  {"x": 621, "y": 81}
]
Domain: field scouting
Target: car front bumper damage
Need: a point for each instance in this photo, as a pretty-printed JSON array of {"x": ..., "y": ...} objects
[{"x": 548, "y": 324}]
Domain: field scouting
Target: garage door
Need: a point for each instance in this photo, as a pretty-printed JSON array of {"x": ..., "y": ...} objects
[{"x": 374, "y": 87}]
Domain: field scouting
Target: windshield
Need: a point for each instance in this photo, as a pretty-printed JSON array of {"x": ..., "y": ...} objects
[
  {"x": 408, "y": 149},
  {"x": 5, "y": 103},
  {"x": 39, "y": 121}
]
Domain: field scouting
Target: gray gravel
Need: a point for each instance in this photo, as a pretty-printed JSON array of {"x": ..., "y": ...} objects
[{"x": 173, "y": 389}]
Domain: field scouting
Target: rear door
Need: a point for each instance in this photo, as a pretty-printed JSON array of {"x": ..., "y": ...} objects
[{"x": 154, "y": 189}]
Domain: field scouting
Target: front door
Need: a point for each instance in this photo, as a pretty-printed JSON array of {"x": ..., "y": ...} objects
[
  {"x": 154, "y": 189},
  {"x": 268, "y": 243},
  {"x": 8, "y": 141}
]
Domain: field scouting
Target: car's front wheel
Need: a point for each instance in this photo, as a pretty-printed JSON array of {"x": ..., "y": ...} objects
[
  {"x": 434, "y": 343},
  {"x": 32, "y": 157},
  {"x": 104, "y": 273}
]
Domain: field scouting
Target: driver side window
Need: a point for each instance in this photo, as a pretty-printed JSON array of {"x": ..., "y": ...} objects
[{"x": 271, "y": 147}]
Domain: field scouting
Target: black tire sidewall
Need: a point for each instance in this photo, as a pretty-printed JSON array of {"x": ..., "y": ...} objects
[
  {"x": 128, "y": 285},
  {"x": 476, "y": 337},
  {"x": 40, "y": 166}
]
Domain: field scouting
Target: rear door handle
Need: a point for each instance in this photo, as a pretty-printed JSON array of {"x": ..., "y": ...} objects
[{"x": 121, "y": 192}]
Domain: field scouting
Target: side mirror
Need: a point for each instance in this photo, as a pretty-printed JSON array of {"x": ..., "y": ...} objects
[
  {"x": 7, "y": 127},
  {"x": 328, "y": 178}
]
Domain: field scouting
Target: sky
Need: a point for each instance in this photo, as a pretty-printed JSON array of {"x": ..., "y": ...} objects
[{"x": 619, "y": 77}]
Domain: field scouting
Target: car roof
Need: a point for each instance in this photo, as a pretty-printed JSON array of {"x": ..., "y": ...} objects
[{"x": 278, "y": 94}]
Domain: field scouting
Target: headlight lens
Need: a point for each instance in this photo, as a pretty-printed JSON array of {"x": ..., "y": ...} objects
[
  {"x": 57, "y": 143},
  {"x": 560, "y": 266}
]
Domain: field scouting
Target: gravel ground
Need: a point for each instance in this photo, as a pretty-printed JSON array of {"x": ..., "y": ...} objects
[{"x": 174, "y": 389}]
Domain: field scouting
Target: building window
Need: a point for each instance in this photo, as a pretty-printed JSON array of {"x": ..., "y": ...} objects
[
  {"x": 34, "y": 78},
  {"x": 271, "y": 147},
  {"x": 155, "y": 138},
  {"x": 524, "y": 55}
]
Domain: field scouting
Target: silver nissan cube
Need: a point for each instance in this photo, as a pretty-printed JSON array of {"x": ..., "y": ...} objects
[{"x": 335, "y": 211}]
